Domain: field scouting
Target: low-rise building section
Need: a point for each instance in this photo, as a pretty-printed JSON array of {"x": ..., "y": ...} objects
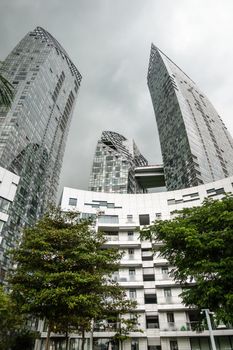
[{"x": 166, "y": 323}]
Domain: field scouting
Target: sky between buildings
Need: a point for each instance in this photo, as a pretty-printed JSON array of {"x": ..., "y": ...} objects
[{"x": 109, "y": 42}]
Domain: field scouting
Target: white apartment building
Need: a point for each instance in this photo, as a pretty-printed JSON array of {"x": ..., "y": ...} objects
[
  {"x": 166, "y": 323},
  {"x": 8, "y": 186}
]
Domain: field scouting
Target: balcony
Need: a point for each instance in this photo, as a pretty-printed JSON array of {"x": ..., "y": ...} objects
[
  {"x": 131, "y": 260},
  {"x": 130, "y": 241},
  {"x": 105, "y": 327},
  {"x": 130, "y": 281},
  {"x": 147, "y": 255},
  {"x": 170, "y": 303},
  {"x": 111, "y": 238},
  {"x": 187, "y": 329}
]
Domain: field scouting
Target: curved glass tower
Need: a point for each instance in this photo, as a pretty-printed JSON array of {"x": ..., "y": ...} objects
[
  {"x": 34, "y": 130},
  {"x": 196, "y": 146},
  {"x": 114, "y": 165}
]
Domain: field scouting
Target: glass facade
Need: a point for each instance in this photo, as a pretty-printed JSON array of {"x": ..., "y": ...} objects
[
  {"x": 33, "y": 131},
  {"x": 114, "y": 162},
  {"x": 196, "y": 146}
]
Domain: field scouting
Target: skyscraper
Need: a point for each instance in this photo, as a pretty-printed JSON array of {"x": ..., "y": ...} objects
[
  {"x": 196, "y": 146},
  {"x": 34, "y": 130},
  {"x": 114, "y": 165}
]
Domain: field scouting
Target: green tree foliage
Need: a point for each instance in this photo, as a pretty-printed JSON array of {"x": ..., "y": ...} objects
[
  {"x": 64, "y": 274},
  {"x": 124, "y": 327},
  {"x": 6, "y": 92},
  {"x": 198, "y": 242},
  {"x": 14, "y": 333}
]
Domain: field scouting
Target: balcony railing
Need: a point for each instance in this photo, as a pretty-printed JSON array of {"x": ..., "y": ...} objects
[
  {"x": 152, "y": 325},
  {"x": 185, "y": 326},
  {"x": 112, "y": 238},
  {"x": 131, "y": 257},
  {"x": 108, "y": 327},
  {"x": 125, "y": 279}
]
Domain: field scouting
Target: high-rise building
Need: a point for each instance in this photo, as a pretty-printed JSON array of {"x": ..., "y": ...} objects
[
  {"x": 34, "y": 130},
  {"x": 196, "y": 146},
  {"x": 114, "y": 164}
]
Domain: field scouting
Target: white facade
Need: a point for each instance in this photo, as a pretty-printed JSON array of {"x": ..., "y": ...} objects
[
  {"x": 165, "y": 321},
  {"x": 8, "y": 186}
]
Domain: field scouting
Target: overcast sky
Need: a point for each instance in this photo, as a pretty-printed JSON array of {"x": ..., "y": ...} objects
[{"x": 109, "y": 42}]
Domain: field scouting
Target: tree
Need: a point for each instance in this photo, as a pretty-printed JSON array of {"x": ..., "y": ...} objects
[
  {"x": 7, "y": 320},
  {"x": 6, "y": 92},
  {"x": 14, "y": 333},
  {"x": 64, "y": 274},
  {"x": 125, "y": 326},
  {"x": 115, "y": 320},
  {"x": 198, "y": 242}
]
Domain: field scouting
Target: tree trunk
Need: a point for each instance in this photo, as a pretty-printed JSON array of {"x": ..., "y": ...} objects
[
  {"x": 67, "y": 341},
  {"x": 47, "y": 343},
  {"x": 83, "y": 340}
]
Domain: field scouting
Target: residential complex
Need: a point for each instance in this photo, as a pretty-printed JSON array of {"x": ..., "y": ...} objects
[
  {"x": 166, "y": 323},
  {"x": 198, "y": 163},
  {"x": 114, "y": 164},
  {"x": 196, "y": 146},
  {"x": 34, "y": 130}
]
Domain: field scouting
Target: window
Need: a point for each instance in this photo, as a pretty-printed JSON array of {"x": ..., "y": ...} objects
[
  {"x": 131, "y": 253},
  {"x": 170, "y": 317},
  {"x": 1, "y": 225},
  {"x": 173, "y": 345},
  {"x": 73, "y": 201},
  {"x": 148, "y": 274},
  {"x": 167, "y": 292},
  {"x": 134, "y": 344},
  {"x": 110, "y": 205},
  {"x": 133, "y": 316},
  {"x": 171, "y": 201},
  {"x": 214, "y": 192},
  {"x": 98, "y": 343},
  {"x": 4, "y": 205},
  {"x": 132, "y": 293},
  {"x": 150, "y": 298},
  {"x": 152, "y": 321},
  {"x": 165, "y": 270},
  {"x": 149, "y": 277},
  {"x": 108, "y": 219},
  {"x": 144, "y": 219},
  {"x": 147, "y": 254},
  {"x": 132, "y": 272},
  {"x": 130, "y": 218},
  {"x": 130, "y": 235}
]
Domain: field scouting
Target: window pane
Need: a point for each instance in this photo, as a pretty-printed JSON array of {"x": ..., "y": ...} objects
[{"x": 73, "y": 201}]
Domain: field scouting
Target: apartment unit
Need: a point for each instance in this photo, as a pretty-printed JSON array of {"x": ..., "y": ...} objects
[
  {"x": 196, "y": 146},
  {"x": 34, "y": 130},
  {"x": 166, "y": 323},
  {"x": 114, "y": 164}
]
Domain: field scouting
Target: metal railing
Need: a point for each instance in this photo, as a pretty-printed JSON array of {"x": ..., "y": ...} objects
[{"x": 112, "y": 238}]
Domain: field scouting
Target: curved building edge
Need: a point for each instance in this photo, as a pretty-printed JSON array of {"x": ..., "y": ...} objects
[{"x": 149, "y": 203}]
